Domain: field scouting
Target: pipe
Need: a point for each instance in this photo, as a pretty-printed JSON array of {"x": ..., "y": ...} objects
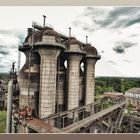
[
  {"x": 69, "y": 31},
  {"x": 9, "y": 107},
  {"x": 86, "y": 39},
  {"x": 44, "y": 17}
]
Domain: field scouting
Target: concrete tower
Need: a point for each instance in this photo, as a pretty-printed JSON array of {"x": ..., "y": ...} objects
[
  {"x": 74, "y": 55},
  {"x": 46, "y": 85},
  {"x": 89, "y": 66},
  {"x": 49, "y": 50}
]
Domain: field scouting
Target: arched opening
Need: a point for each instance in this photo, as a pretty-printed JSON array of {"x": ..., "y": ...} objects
[
  {"x": 81, "y": 90},
  {"x": 82, "y": 66},
  {"x": 60, "y": 84},
  {"x": 66, "y": 63}
]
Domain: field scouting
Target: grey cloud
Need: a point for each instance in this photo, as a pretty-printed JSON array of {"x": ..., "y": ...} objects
[
  {"x": 20, "y": 34},
  {"x": 3, "y": 50},
  {"x": 120, "y": 47},
  {"x": 127, "y": 44},
  {"x": 17, "y": 33},
  {"x": 102, "y": 51},
  {"x": 118, "y": 17},
  {"x": 2, "y": 66},
  {"x": 84, "y": 25},
  {"x": 76, "y": 23},
  {"x": 91, "y": 11},
  {"x": 128, "y": 61},
  {"x": 86, "y": 28},
  {"x": 6, "y": 51},
  {"x": 112, "y": 62},
  {"x": 133, "y": 35},
  {"x": 114, "y": 20},
  {"x": 134, "y": 21}
]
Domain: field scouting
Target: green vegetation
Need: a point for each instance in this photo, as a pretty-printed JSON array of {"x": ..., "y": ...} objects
[
  {"x": 2, "y": 121},
  {"x": 98, "y": 97},
  {"x": 117, "y": 84}
]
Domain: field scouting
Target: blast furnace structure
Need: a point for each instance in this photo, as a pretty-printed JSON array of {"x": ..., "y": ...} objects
[{"x": 58, "y": 75}]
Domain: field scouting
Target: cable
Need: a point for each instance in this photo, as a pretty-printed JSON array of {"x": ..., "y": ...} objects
[{"x": 29, "y": 73}]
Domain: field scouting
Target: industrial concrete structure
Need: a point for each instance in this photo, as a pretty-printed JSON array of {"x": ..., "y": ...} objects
[
  {"x": 46, "y": 84},
  {"x": 56, "y": 87},
  {"x": 57, "y": 84},
  {"x": 49, "y": 79}
]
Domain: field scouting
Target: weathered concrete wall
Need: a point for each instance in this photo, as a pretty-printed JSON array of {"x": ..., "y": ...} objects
[
  {"x": 48, "y": 71},
  {"x": 89, "y": 80},
  {"x": 34, "y": 81},
  {"x": 73, "y": 80}
]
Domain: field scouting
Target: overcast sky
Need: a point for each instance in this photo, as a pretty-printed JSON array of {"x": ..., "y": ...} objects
[{"x": 114, "y": 31}]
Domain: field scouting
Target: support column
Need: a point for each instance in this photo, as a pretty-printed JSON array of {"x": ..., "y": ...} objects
[
  {"x": 89, "y": 80},
  {"x": 48, "y": 69},
  {"x": 73, "y": 80}
]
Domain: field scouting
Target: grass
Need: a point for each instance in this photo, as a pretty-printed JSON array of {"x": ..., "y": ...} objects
[{"x": 2, "y": 121}]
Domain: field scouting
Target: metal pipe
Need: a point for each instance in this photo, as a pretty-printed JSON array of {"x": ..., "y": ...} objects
[
  {"x": 86, "y": 39},
  {"x": 29, "y": 66},
  {"x": 44, "y": 17},
  {"x": 69, "y": 31},
  {"x": 9, "y": 107}
]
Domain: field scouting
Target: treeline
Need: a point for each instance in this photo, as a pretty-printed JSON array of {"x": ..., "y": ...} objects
[
  {"x": 116, "y": 84},
  {"x": 102, "y": 84}
]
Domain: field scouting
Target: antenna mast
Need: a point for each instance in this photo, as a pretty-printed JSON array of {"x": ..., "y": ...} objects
[
  {"x": 44, "y": 21},
  {"x": 69, "y": 31},
  {"x": 29, "y": 66},
  {"x": 86, "y": 39}
]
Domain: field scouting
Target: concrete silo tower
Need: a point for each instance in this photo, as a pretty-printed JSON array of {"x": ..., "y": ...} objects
[
  {"x": 89, "y": 70},
  {"x": 74, "y": 55},
  {"x": 49, "y": 50}
]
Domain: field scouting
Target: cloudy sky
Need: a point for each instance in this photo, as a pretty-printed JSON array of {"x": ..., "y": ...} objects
[{"x": 114, "y": 31}]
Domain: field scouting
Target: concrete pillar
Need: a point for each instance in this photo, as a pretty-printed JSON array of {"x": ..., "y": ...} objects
[
  {"x": 9, "y": 107},
  {"x": 73, "y": 80},
  {"x": 48, "y": 71},
  {"x": 89, "y": 80},
  {"x": 89, "y": 72}
]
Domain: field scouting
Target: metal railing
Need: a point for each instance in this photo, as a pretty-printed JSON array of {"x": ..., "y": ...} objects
[{"x": 62, "y": 120}]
